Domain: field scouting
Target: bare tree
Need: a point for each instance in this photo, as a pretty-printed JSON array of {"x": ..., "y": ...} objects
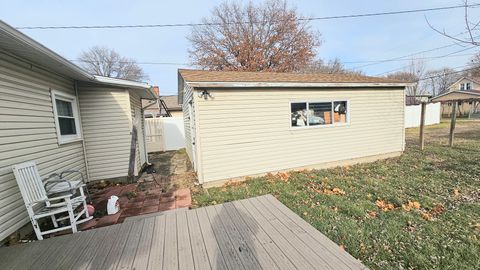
[
  {"x": 413, "y": 73},
  {"x": 264, "y": 37},
  {"x": 437, "y": 81},
  {"x": 470, "y": 36},
  {"x": 332, "y": 66},
  {"x": 107, "y": 62},
  {"x": 473, "y": 69}
]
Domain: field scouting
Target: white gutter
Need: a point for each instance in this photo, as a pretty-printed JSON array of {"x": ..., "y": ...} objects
[{"x": 292, "y": 84}]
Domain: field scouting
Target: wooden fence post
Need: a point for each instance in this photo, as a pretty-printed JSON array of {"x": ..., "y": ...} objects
[
  {"x": 452, "y": 122},
  {"x": 422, "y": 125}
]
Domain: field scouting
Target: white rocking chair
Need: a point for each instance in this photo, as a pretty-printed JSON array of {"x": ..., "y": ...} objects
[{"x": 40, "y": 205}]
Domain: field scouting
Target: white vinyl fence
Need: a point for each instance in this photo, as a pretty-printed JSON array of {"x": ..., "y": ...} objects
[
  {"x": 164, "y": 134},
  {"x": 413, "y": 114}
]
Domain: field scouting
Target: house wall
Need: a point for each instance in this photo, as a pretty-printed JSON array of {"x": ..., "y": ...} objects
[
  {"x": 187, "y": 95},
  {"x": 456, "y": 86},
  {"x": 242, "y": 133},
  {"x": 135, "y": 103},
  {"x": 464, "y": 108},
  {"x": 27, "y": 132},
  {"x": 177, "y": 114},
  {"x": 106, "y": 121}
]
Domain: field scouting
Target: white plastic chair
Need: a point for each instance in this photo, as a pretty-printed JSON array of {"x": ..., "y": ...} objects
[{"x": 40, "y": 205}]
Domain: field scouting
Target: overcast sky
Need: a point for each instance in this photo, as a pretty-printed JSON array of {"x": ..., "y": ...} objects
[{"x": 354, "y": 39}]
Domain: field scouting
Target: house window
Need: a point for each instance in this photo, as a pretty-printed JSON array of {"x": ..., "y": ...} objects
[
  {"x": 465, "y": 86},
  {"x": 306, "y": 114},
  {"x": 66, "y": 117}
]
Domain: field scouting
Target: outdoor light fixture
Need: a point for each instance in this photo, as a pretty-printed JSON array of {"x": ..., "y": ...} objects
[{"x": 205, "y": 94}]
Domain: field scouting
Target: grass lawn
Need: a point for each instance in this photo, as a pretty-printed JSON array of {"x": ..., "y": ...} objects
[{"x": 417, "y": 211}]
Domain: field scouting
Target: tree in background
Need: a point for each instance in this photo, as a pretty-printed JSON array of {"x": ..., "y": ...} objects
[
  {"x": 437, "y": 81},
  {"x": 107, "y": 62},
  {"x": 332, "y": 66},
  {"x": 413, "y": 73},
  {"x": 264, "y": 37},
  {"x": 473, "y": 69}
]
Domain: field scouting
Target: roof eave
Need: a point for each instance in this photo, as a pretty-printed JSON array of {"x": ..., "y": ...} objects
[
  {"x": 22, "y": 38},
  {"x": 293, "y": 84},
  {"x": 126, "y": 84}
]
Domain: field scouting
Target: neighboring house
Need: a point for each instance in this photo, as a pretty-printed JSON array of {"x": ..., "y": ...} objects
[
  {"x": 166, "y": 106},
  {"x": 467, "y": 107},
  {"x": 416, "y": 100},
  {"x": 172, "y": 105},
  {"x": 240, "y": 124},
  {"x": 61, "y": 117}
]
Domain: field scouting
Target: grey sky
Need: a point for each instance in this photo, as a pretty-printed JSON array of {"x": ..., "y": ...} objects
[{"x": 356, "y": 39}]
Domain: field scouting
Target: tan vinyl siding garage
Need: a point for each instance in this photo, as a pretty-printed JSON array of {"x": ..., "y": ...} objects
[
  {"x": 106, "y": 122},
  {"x": 242, "y": 122},
  {"x": 245, "y": 133},
  {"x": 27, "y": 132}
]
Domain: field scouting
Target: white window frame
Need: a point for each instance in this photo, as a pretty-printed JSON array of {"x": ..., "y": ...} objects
[
  {"x": 62, "y": 139},
  {"x": 347, "y": 123},
  {"x": 465, "y": 86}
]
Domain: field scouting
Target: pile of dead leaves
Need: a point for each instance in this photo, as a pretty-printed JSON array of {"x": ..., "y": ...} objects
[
  {"x": 436, "y": 211},
  {"x": 384, "y": 206},
  {"x": 333, "y": 191},
  {"x": 280, "y": 176},
  {"x": 411, "y": 205}
]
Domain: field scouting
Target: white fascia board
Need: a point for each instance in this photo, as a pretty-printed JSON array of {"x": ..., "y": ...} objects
[
  {"x": 291, "y": 84},
  {"x": 35, "y": 46}
]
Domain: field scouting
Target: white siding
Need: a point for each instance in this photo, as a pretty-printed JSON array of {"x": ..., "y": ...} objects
[
  {"x": 187, "y": 97},
  {"x": 135, "y": 102},
  {"x": 105, "y": 116},
  {"x": 27, "y": 132},
  {"x": 248, "y": 132}
]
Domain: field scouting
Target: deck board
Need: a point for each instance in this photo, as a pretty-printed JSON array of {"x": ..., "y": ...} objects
[{"x": 255, "y": 233}]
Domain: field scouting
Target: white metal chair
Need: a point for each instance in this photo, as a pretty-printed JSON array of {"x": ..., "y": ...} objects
[{"x": 59, "y": 207}]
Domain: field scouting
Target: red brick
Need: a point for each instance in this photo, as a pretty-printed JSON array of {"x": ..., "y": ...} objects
[
  {"x": 88, "y": 225},
  {"x": 183, "y": 203},
  {"x": 108, "y": 220},
  {"x": 151, "y": 202},
  {"x": 166, "y": 206},
  {"x": 132, "y": 212},
  {"x": 149, "y": 209},
  {"x": 133, "y": 204}
]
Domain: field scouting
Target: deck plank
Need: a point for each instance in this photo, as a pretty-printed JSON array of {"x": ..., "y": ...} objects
[
  {"x": 244, "y": 245},
  {"x": 328, "y": 244},
  {"x": 128, "y": 254},
  {"x": 294, "y": 239},
  {"x": 104, "y": 248},
  {"x": 215, "y": 253},
  {"x": 185, "y": 256},
  {"x": 113, "y": 256},
  {"x": 199, "y": 252},
  {"x": 144, "y": 246},
  {"x": 268, "y": 253},
  {"x": 255, "y": 233},
  {"x": 170, "y": 257},
  {"x": 71, "y": 253},
  {"x": 229, "y": 251},
  {"x": 306, "y": 238},
  {"x": 283, "y": 242},
  {"x": 155, "y": 261},
  {"x": 83, "y": 260}
]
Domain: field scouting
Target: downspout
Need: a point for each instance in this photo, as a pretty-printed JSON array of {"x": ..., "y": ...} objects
[{"x": 75, "y": 86}]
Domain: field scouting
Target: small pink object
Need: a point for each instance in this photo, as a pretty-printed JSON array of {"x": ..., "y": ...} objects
[{"x": 90, "y": 209}]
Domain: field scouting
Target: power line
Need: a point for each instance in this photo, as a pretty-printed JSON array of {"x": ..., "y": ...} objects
[
  {"x": 448, "y": 73},
  {"x": 135, "y": 62},
  {"x": 443, "y": 56},
  {"x": 213, "y": 24},
  {"x": 409, "y": 59}
]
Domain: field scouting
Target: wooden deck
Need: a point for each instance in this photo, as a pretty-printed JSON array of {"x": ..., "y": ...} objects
[{"x": 256, "y": 233}]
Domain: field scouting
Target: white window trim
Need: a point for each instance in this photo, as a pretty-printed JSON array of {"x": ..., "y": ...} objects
[
  {"x": 63, "y": 139},
  {"x": 347, "y": 123}
]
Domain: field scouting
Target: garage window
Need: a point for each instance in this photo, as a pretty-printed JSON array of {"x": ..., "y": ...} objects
[
  {"x": 66, "y": 117},
  {"x": 310, "y": 114}
]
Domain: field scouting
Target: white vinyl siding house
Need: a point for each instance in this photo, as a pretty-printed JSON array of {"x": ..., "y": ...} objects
[
  {"x": 245, "y": 131},
  {"x": 58, "y": 115},
  {"x": 28, "y": 132}
]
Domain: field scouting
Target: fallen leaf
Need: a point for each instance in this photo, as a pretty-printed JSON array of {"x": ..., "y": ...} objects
[
  {"x": 373, "y": 214},
  {"x": 456, "y": 192},
  {"x": 427, "y": 216},
  {"x": 334, "y": 191},
  {"x": 411, "y": 205},
  {"x": 384, "y": 206}
]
